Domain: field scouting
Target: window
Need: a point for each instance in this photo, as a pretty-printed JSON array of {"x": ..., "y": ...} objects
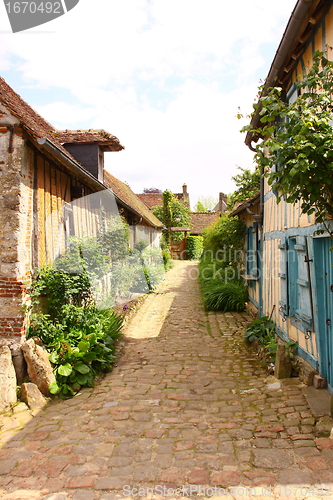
[
  {"x": 295, "y": 282},
  {"x": 252, "y": 264}
]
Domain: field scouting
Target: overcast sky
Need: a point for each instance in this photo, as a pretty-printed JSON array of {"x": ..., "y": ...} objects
[{"x": 165, "y": 76}]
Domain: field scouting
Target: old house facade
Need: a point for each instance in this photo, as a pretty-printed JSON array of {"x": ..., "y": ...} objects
[
  {"x": 293, "y": 278},
  {"x": 49, "y": 185}
]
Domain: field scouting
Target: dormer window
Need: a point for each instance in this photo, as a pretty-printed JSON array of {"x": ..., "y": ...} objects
[{"x": 88, "y": 147}]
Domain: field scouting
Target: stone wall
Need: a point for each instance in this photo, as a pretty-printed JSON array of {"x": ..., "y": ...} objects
[{"x": 16, "y": 174}]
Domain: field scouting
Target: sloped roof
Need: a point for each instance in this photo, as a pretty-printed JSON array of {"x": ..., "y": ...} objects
[
  {"x": 38, "y": 128},
  {"x": 30, "y": 120},
  {"x": 106, "y": 141},
  {"x": 156, "y": 199},
  {"x": 151, "y": 199},
  {"x": 125, "y": 194},
  {"x": 201, "y": 220},
  {"x": 250, "y": 202}
]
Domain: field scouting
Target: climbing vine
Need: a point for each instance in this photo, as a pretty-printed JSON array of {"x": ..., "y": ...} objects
[
  {"x": 296, "y": 150},
  {"x": 173, "y": 213}
]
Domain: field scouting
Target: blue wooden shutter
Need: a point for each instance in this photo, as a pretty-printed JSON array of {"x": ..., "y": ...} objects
[
  {"x": 283, "y": 275},
  {"x": 304, "y": 309}
]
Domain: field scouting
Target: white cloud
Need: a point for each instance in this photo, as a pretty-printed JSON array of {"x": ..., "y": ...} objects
[{"x": 164, "y": 77}]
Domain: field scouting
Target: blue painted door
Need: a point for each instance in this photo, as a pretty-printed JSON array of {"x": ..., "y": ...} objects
[{"x": 323, "y": 261}]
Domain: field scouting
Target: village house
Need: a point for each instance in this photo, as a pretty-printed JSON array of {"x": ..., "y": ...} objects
[
  {"x": 52, "y": 183},
  {"x": 289, "y": 265},
  {"x": 153, "y": 198}
]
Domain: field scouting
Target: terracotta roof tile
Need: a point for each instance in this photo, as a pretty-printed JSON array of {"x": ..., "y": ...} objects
[
  {"x": 30, "y": 120},
  {"x": 125, "y": 194},
  {"x": 108, "y": 142},
  {"x": 201, "y": 220},
  {"x": 151, "y": 199}
]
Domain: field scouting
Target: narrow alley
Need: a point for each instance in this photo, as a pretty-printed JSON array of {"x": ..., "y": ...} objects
[{"x": 187, "y": 411}]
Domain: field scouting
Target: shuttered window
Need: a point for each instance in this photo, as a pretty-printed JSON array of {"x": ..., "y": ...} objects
[
  {"x": 295, "y": 282},
  {"x": 252, "y": 264}
]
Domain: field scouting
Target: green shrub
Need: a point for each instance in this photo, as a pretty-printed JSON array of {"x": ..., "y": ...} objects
[
  {"x": 221, "y": 266},
  {"x": 224, "y": 239},
  {"x": 166, "y": 256},
  {"x": 263, "y": 329},
  {"x": 79, "y": 337},
  {"x": 194, "y": 247},
  {"x": 224, "y": 296},
  {"x": 59, "y": 288},
  {"x": 115, "y": 239}
]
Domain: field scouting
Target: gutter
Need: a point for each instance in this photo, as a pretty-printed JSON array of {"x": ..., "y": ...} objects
[
  {"x": 295, "y": 22},
  {"x": 81, "y": 172}
]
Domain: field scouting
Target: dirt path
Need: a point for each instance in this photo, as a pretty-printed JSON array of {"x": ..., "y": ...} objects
[{"x": 188, "y": 410}]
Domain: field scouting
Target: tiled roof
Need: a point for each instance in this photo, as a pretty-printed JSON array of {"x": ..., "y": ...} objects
[
  {"x": 156, "y": 199},
  {"x": 125, "y": 194},
  {"x": 201, "y": 220},
  {"x": 30, "y": 120},
  {"x": 108, "y": 142},
  {"x": 250, "y": 202},
  {"x": 151, "y": 199},
  {"x": 39, "y": 128}
]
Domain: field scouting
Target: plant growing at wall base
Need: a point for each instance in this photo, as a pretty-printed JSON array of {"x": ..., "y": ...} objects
[
  {"x": 298, "y": 138},
  {"x": 224, "y": 296},
  {"x": 79, "y": 337},
  {"x": 263, "y": 329}
]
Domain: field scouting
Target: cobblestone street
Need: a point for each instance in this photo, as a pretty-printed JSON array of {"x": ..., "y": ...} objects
[{"x": 187, "y": 406}]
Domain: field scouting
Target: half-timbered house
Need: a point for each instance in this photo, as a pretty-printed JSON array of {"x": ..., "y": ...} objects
[
  {"x": 51, "y": 187},
  {"x": 293, "y": 280}
]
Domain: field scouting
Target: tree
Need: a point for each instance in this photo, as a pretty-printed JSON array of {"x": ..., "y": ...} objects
[
  {"x": 298, "y": 137},
  {"x": 248, "y": 184},
  {"x": 173, "y": 213},
  {"x": 205, "y": 204}
]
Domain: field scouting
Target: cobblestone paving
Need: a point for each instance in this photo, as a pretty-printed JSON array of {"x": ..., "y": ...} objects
[{"x": 187, "y": 411}]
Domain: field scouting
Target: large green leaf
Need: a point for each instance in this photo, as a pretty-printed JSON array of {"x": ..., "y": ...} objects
[
  {"x": 83, "y": 346},
  {"x": 82, "y": 379},
  {"x": 65, "y": 370},
  {"x": 54, "y": 358},
  {"x": 82, "y": 368},
  {"x": 54, "y": 388}
]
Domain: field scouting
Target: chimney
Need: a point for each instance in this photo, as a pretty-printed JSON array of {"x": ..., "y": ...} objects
[
  {"x": 223, "y": 201},
  {"x": 184, "y": 188}
]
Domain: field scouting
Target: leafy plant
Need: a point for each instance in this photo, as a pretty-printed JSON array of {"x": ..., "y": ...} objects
[
  {"x": 228, "y": 296},
  {"x": 220, "y": 267},
  {"x": 296, "y": 150},
  {"x": 59, "y": 288},
  {"x": 225, "y": 238},
  {"x": 261, "y": 328},
  {"x": 248, "y": 184},
  {"x": 115, "y": 238},
  {"x": 79, "y": 337},
  {"x": 194, "y": 247},
  {"x": 173, "y": 213}
]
